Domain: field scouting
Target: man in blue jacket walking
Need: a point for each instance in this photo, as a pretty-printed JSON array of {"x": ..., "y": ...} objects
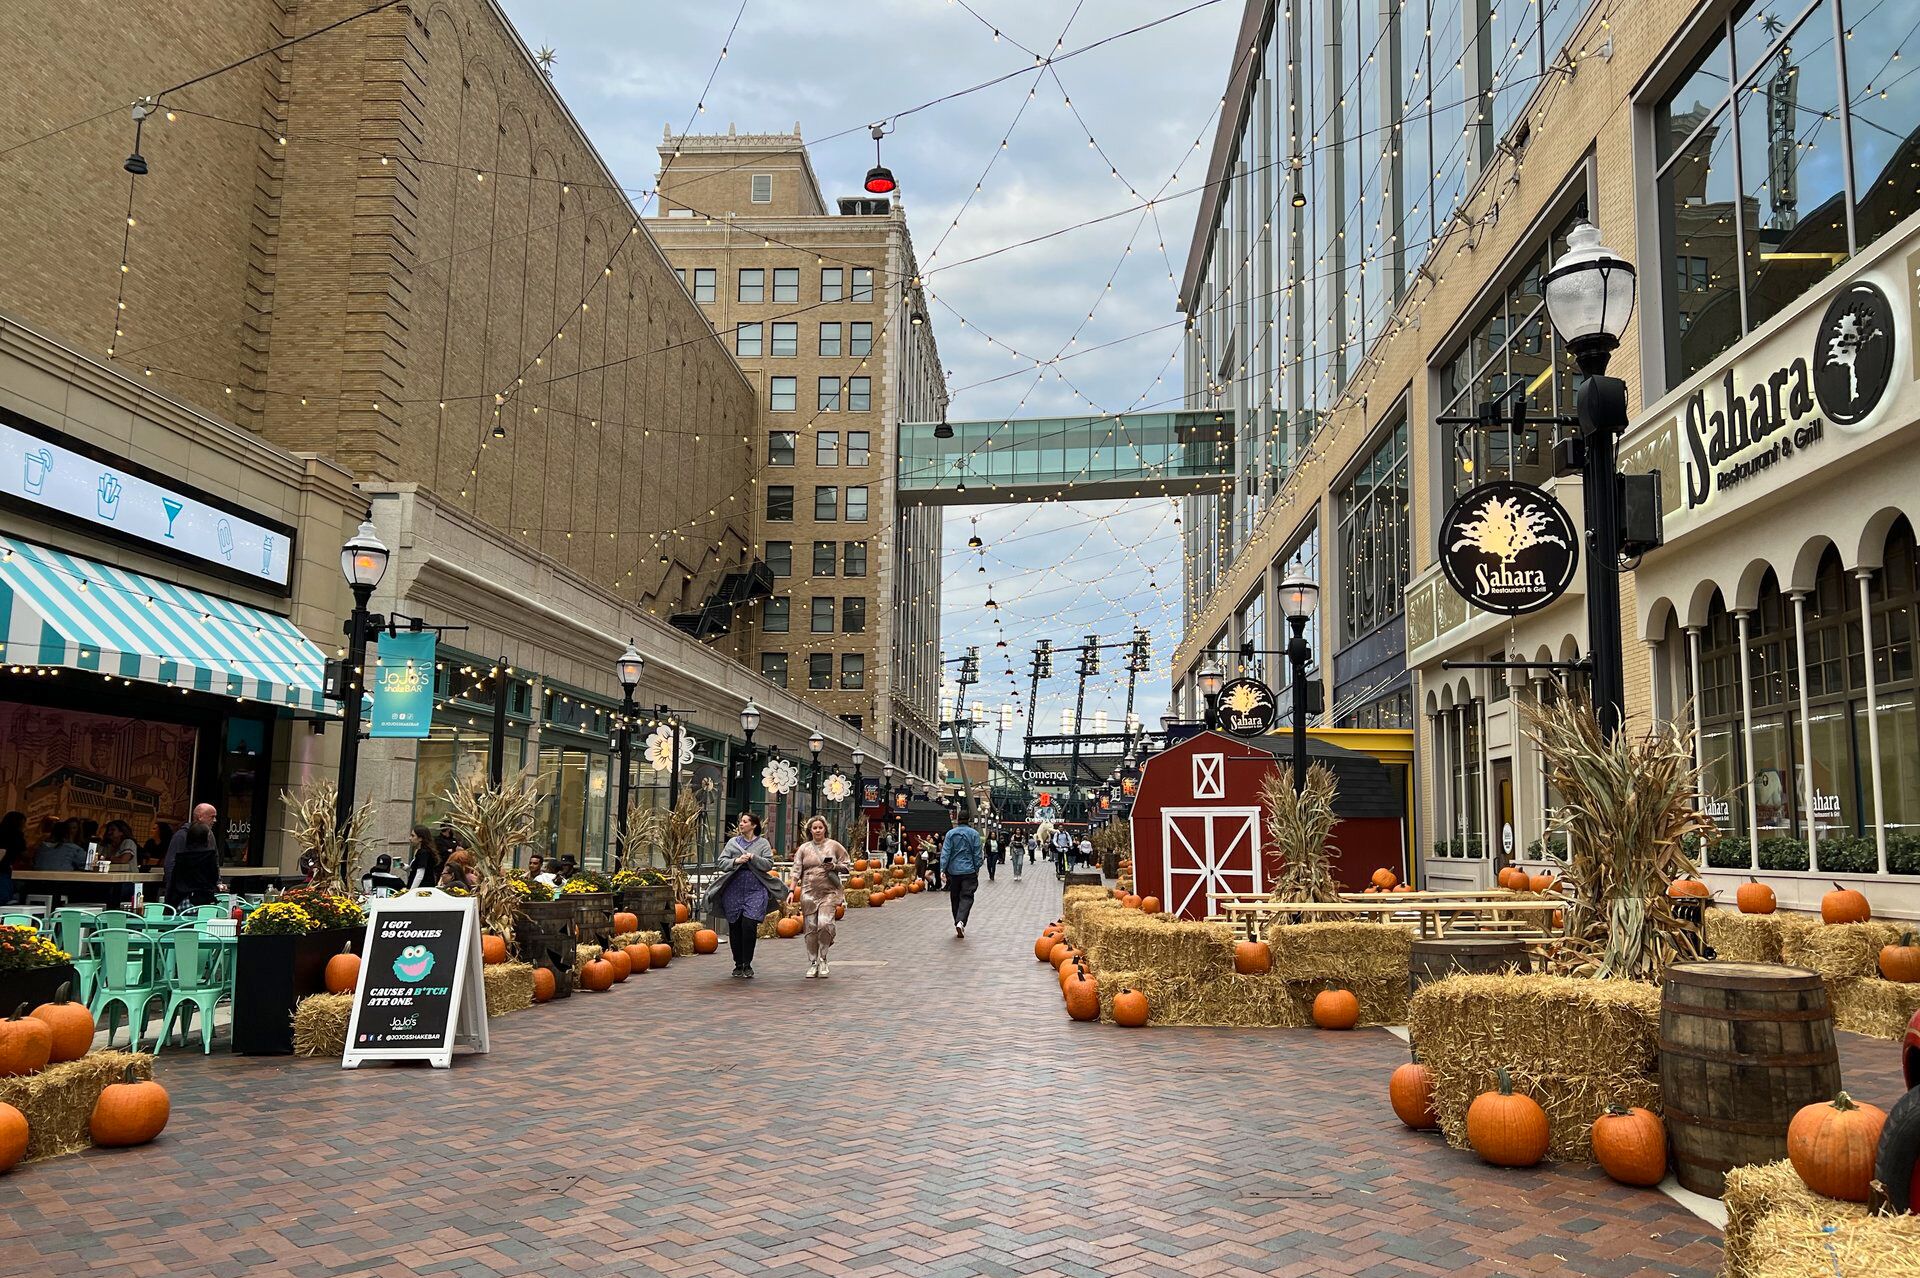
[{"x": 960, "y": 861}]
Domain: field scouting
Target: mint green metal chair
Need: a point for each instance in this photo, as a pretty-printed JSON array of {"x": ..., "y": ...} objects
[
  {"x": 156, "y": 912},
  {"x": 201, "y": 913},
  {"x": 22, "y": 918},
  {"x": 124, "y": 919},
  {"x": 196, "y": 981},
  {"x": 69, "y": 927},
  {"x": 130, "y": 980}
]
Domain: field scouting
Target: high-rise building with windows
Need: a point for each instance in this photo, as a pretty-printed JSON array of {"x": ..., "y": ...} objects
[{"x": 821, "y": 310}]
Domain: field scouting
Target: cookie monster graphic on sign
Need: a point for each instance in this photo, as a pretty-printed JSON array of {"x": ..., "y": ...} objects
[{"x": 413, "y": 964}]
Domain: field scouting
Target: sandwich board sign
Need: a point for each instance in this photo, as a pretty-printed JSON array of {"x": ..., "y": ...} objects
[{"x": 420, "y": 992}]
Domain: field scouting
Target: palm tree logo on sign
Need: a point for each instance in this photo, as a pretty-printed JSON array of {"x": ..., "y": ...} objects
[{"x": 1508, "y": 547}]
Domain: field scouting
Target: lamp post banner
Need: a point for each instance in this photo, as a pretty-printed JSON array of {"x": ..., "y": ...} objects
[
  {"x": 1508, "y": 547},
  {"x": 403, "y": 685},
  {"x": 1247, "y": 708}
]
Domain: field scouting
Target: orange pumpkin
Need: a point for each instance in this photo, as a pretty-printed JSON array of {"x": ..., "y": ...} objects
[
  {"x": 1687, "y": 887},
  {"x": 69, "y": 1023},
  {"x": 1083, "y": 997},
  {"x": 1131, "y": 901},
  {"x": 1250, "y": 958},
  {"x": 1383, "y": 878},
  {"x": 918, "y": 885},
  {"x": 1832, "y": 1145},
  {"x": 343, "y": 971},
  {"x": 25, "y": 1043},
  {"x": 493, "y": 949},
  {"x": 597, "y": 975},
  {"x": 1506, "y": 1129},
  {"x": 681, "y": 913},
  {"x": 1506, "y": 877},
  {"x": 1631, "y": 1145},
  {"x": 839, "y": 912},
  {"x": 622, "y": 965},
  {"x": 624, "y": 922},
  {"x": 13, "y": 1137},
  {"x": 1043, "y": 947},
  {"x": 876, "y": 899},
  {"x": 1336, "y": 1010},
  {"x": 662, "y": 953},
  {"x": 857, "y": 883},
  {"x": 1130, "y": 1009},
  {"x": 1755, "y": 897},
  {"x": 1058, "y": 951},
  {"x": 1149, "y": 905},
  {"x": 1541, "y": 882},
  {"x": 1411, "y": 1092},
  {"x": 860, "y": 863},
  {"x": 789, "y": 927},
  {"x": 640, "y": 956},
  {"x": 706, "y": 941},
  {"x": 1844, "y": 905},
  {"x": 1897, "y": 962},
  {"x": 1402, "y": 887},
  {"x": 544, "y": 987},
  {"x": 1119, "y": 893},
  {"x": 129, "y": 1113}
]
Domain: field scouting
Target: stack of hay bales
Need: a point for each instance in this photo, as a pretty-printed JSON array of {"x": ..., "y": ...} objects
[
  {"x": 320, "y": 1022},
  {"x": 1754, "y": 938},
  {"x": 683, "y": 934},
  {"x": 1847, "y": 957},
  {"x": 58, "y": 1101},
  {"x": 1778, "y": 1228},
  {"x": 509, "y": 987},
  {"x": 585, "y": 954},
  {"x": 1370, "y": 959},
  {"x": 1185, "y": 969},
  {"x": 1574, "y": 1046}
]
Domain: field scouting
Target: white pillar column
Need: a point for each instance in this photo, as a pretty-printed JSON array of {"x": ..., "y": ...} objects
[
  {"x": 1746, "y": 737},
  {"x": 1693, "y": 695},
  {"x": 1873, "y": 717},
  {"x": 1442, "y": 776},
  {"x": 1799, "y": 598}
]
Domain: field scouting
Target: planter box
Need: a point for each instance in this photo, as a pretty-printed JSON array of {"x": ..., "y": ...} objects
[
  {"x": 594, "y": 911},
  {"x": 654, "y": 905},
  {"x": 271, "y": 975},
  {"x": 36, "y": 985},
  {"x": 547, "y": 933}
]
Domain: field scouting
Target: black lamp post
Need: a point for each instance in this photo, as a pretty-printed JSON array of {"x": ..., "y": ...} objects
[
  {"x": 1299, "y": 597},
  {"x": 859, "y": 791},
  {"x": 749, "y": 722},
  {"x": 627, "y": 669},
  {"x": 815, "y": 743},
  {"x": 363, "y": 561},
  {"x": 1590, "y": 295},
  {"x": 1210, "y": 681}
]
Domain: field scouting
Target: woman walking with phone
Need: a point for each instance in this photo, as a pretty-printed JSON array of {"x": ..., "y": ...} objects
[
  {"x": 744, "y": 891},
  {"x": 816, "y": 881}
]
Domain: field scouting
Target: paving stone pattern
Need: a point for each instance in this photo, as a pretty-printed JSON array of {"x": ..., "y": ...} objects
[{"x": 929, "y": 1110}]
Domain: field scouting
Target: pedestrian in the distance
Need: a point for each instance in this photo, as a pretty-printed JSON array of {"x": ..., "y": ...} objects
[
  {"x": 1019, "y": 858},
  {"x": 993, "y": 857},
  {"x": 816, "y": 882},
  {"x": 960, "y": 860},
  {"x": 744, "y": 891}
]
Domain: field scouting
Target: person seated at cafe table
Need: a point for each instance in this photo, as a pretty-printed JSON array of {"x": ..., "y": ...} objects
[
  {"x": 117, "y": 845},
  {"x": 459, "y": 871},
  {"x": 380, "y": 880},
  {"x": 57, "y": 850}
]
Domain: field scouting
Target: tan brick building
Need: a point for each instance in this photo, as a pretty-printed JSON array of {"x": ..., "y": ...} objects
[
  {"x": 392, "y": 247},
  {"x": 1353, "y": 282},
  {"x": 824, "y": 314}
]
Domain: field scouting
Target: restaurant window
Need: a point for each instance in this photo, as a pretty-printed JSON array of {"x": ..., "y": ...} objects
[
  {"x": 575, "y": 775},
  {"x": 780, "y": 447},
  {"x": 773, "y": 617},
  {"x": 705, "y": 283},
  {"x": 826, "y": 448},
  {"x": 853, "y": 615},
  {"x": 823, "y": 557},
  {"x": 819, "y": 670},
  {"x": 862, "y": 284},
  {"x": 1754, "y": 175},
  {"x": 780, "y": 502},
  {"x": 853, "y": 671},
  {"x": 859, "y": 447},
  {"x": 822, "y": 616},
  {"x": 783, "y": 394},
  {"x": 829, "y": 397},
  {"x": 1301, "y": 561},
  {"x": 857, "y": 502},
  {"x": 826, "y": 502},
  {"x": 786, "y": 284},
  {"x": 1375, "y": 548},
  {"x": 854, "y": 559},
  {"x": 786, "y": 339},
  {"x": 1462, "y": 744},
  {"x": 1511, "y": 352},
  {"x": 753, "y": 284},
  {"x": 746, "y": 339},
  {"x": 830, "y": 339},
  {"x": 773, "y": 668},
  {"x": 859, "y": 394},
  {"x": 860, "y": 338},
  {"x": 780, "y": 558},
  {"x": 1250, "y": 625},
  {"x": 832, "y": 282}
]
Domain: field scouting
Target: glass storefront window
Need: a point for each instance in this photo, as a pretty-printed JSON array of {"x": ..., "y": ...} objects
[{"x": 453, "y": 757}]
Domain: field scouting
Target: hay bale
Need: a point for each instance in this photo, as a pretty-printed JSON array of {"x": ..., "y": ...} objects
[
  {"x": 320, "y": 1024},
  {"x": 646, "y": 938},
  {"x": 683, "y": 934},
  {"x": 1383, "y": 1000},
  {"x": 1086, "y": 913},
  {"x": 1083, "y": 892},
  {"x": 58, "y": 1101},
  {"x": 1871, "y": 1006},
  {"x": 585, "y": 954},
  {"x": 1185, "y": 999},
  {"x": 1573, "y": 1045},
  {"x": 1762, "y": 1191},
  {"x": 1838, "y": 951},
  {"x": 509, "y": 987},
  {"x": 1797, "y": 1245},
  {"x": 857, "y": 901},
  {"x": 1126, "y": 940},
  {"x": 1342, "y": 952},
  {"x": 1750, "y": 938},
  {"x": 625, "y": 939}
]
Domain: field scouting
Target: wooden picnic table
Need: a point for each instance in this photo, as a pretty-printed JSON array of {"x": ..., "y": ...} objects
[{"x": 1432, "y": 914}]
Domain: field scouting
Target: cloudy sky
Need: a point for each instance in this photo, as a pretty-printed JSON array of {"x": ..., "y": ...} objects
[{"x": 628, "y": 67}]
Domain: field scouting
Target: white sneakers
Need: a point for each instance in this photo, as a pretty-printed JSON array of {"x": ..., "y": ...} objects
[
  {"x": 960, "y": 930},
  {"x": 813, "y": 969},
  {"x": 823, "y": 967}
]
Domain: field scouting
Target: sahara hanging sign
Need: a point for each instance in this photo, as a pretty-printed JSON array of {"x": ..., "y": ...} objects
[
  {"x": 1508, "y": 547},
  {"x": 1246, "y": 708}
]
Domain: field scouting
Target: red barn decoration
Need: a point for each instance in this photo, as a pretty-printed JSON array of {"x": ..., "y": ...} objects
[{"x": 1198, "y": 825}]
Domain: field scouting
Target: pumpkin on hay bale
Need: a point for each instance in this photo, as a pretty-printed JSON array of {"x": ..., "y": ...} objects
[
  {"x": 1225, "y": 1000},
  {"x": 1753, "y": 938},
  {"x": 1369, "y": 959},
  {"x": 509, "y": 987},
  {"x": 1763, "y": 1192},
  {"x": 58, "y": 1101},
  {"x": 683, "y": 934},
  {"x": 1839, "y": 951},
  {"x": 320, "y": 1022},
  {"x": 585, "y": 954},
  {"x": 1126, "y": 940},
  {"x": 1574, "y": 1045}
]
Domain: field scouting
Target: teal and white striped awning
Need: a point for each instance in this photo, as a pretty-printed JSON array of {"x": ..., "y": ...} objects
[{"x": 58, "y": 609}]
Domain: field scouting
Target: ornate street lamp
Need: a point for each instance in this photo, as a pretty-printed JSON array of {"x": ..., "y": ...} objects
[
  {"x": 363, "y": 562},
  {"x": 1299, "y": 598},
  {"x": 627, "y": 669}
]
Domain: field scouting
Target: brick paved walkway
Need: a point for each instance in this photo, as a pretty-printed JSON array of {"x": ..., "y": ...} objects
[{"x": 932, "y": 1114}]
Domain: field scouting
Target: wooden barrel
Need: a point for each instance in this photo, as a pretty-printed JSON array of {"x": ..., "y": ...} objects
[
  {"x": 1434, "y": 958},
  {"x": 595, "y": 913},
  {"x": 1743, "y": 1046},
  {"x": 548, "y": 931}
]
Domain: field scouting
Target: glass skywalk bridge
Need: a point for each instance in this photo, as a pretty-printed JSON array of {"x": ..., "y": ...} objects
[{"x": 1065, "y": 458}]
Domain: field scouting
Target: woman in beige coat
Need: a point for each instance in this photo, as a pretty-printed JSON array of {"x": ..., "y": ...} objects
[{"x": 817, "y": 866}]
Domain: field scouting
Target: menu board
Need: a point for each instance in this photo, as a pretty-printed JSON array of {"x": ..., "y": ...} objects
[{"x": 420, "y": 992}]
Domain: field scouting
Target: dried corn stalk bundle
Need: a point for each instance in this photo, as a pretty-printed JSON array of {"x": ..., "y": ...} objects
[
  {"x": 1298, "y": 827},
  {"x": 315, "y": 808},
  {"x": 492, "y": 821}
]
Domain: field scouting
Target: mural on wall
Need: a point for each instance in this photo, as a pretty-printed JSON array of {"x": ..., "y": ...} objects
[{"x": 61, "y": 764}]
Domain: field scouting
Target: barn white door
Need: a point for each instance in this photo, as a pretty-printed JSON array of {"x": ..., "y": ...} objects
[{"x": 1213, "y": 849}]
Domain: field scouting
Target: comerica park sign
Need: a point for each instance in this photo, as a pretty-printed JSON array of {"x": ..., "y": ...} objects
[{"x": 1508, "y": 547}]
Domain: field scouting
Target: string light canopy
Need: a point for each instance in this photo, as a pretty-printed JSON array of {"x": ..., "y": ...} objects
[{"x": 880, "y": 177}]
